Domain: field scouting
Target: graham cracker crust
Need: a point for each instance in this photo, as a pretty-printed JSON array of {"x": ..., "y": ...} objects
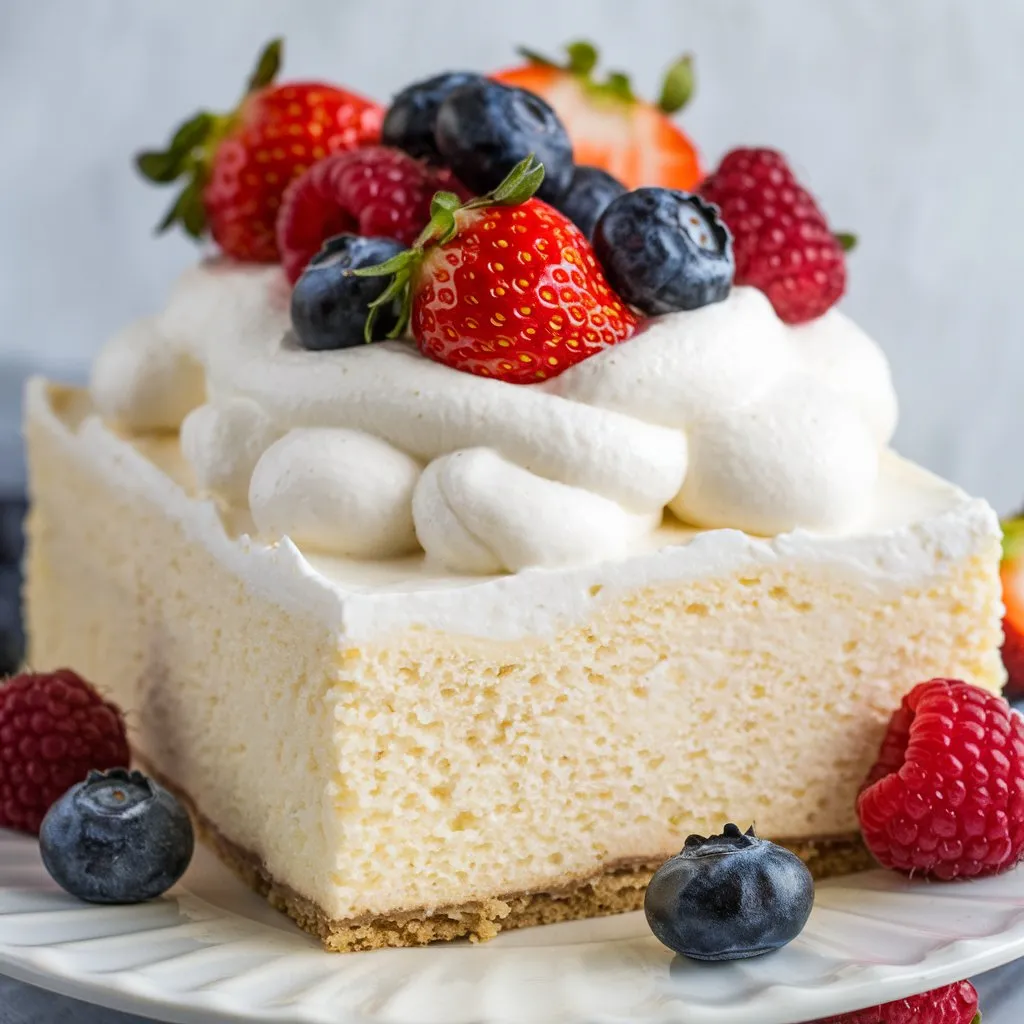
[{"x": 617, "y": 890}]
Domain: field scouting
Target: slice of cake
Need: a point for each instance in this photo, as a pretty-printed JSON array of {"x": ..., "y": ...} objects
[{"x": 469, "y": 629}]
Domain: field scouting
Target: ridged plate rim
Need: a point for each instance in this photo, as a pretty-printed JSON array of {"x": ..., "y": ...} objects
[{"x": 213, "y": 951}]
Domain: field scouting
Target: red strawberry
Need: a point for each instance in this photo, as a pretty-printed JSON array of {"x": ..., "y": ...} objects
[
  {"x": 1012, "y": 573},
  {"x": 781, "y": 241},
  {"x": 610, "y": 128},
  {"x": 952, "y": 1004},
  {"x": 372, "y": 191},
  {"x": 54, "y": 728},
  {"x": 505, "y": 286},
  {"x": 238, "y": 165},
  {"x": 946, "y": 796}
]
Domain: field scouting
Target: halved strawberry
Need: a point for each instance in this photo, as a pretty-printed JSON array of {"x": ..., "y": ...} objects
[
  {"x": 634, "y": 140},
  {"x": 1012, "y": 574}
]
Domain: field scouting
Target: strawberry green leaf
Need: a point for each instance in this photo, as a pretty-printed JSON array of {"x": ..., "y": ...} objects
[
  {"x": 194, "y": 132},
  {"x": 677, "y": 89},
  {"x": 1013, "y": 539},
  {"x": 267, "y": 66},
  {"x": 847, "y": 241},
  {"x": 977, "y": 1018},
  {"x": 617, "y": 84},
  {"x": 582, "y": 57},
  {"x": 159, "y": 167},
  {"x": 444, "y": 201},
  {"x": 521, "y": 183}
]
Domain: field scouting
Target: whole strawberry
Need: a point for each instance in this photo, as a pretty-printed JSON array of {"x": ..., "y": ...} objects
[
  {"x": 54, "y": 728},
  {"x": 237, "y": 166},
  {"x": 1012, "y": 574},
  {"x": 946, "y": 796},
  {"x": 505, "y": 286},
  {"x": 781, "y": 242},
  {"x": 953, "y": 1004},
  {"x": 374, "y": 191}
]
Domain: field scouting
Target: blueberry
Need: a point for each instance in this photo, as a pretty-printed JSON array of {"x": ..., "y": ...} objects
[
  {"x": 330, "y": 307},
  {"x": 484, "y": 129},
  {"x": 117, "y": 837},
  {"x": 729, "y": 897},
  {"x": 664, "y": 250},
  {"x": 409, "y": 122},
  {"x": 12, "y": 542},
  {"x": 591, "y": 191}
]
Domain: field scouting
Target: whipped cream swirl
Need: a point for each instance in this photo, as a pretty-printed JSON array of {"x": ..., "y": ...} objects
[{"x": 724, "y": 415}]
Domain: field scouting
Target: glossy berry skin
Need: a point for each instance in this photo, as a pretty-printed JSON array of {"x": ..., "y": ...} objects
[
  {"x": 516, "y": 295},
  {"x": 410, "y": 121},
  {"x": 945, "y": 798},
  {"x": 664, "y": 250},
  {"x": 117, "y": 837},
  {"x": 781, "y": 240},
  {"x": 375, "y": 191},
  {"x": 951, "y": 1004},
  {"x": 591, "y": 191},
  {"x": 330, "y": 306},
  {"x": 484, "y": 129},
  {"x": 729, "y": 897},
  {"x": 54, "y": 728}
]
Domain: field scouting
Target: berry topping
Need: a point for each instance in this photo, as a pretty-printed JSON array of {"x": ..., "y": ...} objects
[
  {"x": 635, "y": 141},
  {"x": 485, "y": 129},
  {"x": 117, "y": 837},
  {"x": 54, "y": 727},
  {"x": 236, "y": 166},
  {"x": 1012, "y": 573},
  {"x": 729, "y": 897},
  {"x": 952, "y": 1004},
  {"x": 371, "y": 191},
  {"x": 410, "y": 121},
  {"x": 330, "y": 306},
  {"x": 664, "y": 250},
  {"x": 946, "y": 795},
  {"x": 781, "y": 241},
  {"x": 589, "y": 195},
  {"x": 504, "y": 286}
]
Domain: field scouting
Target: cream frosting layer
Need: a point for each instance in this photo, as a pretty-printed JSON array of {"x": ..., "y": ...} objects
[
  {"x": 917, "y": 527},
  {"x": 724, "y": 415}
]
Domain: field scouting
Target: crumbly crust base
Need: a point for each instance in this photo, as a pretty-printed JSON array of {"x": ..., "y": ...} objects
[{"x": 618, "y": 889}]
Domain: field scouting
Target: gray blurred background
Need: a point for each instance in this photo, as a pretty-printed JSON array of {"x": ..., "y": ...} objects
[{"x": 904, "y": 116}]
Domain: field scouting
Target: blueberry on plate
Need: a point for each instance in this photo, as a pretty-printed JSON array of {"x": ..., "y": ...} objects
[
  {"x": 330, "y": 306},
  {"x": 485, "y": 128},
  {"x": 117, "y": 837},
  {"x": 664, "y": 250},
  {"x": 410, "y": 120},
  {"x": 591, "y": 191},
  {"x": 729, "y": 897}
]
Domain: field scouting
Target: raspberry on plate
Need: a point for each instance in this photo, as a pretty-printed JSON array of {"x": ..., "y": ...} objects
[
  {"x": 54, "y": 728},
  {"x": 375, "y": 191},
  {"x": 952, "y": 1004},
  {"x": 781, "y": 241},
  {"x": 946, "y": 796}
]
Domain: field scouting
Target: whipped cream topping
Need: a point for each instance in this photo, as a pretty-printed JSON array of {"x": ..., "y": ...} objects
[{"x": 724, "y": 415}]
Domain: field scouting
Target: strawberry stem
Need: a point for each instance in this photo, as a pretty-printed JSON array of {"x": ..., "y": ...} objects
[
  {"x": 190, "y": 151},
  {"x": 847, "y": 240},
  {"x": 520, "y": 185}
]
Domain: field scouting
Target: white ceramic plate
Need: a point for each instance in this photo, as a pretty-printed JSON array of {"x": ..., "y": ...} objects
[{"x": 213, "y": 951}]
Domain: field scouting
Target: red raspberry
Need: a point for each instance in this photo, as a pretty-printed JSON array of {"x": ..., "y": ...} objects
[
  {"x": 954, "y": 1004},
  {"x": 781, "y": 242},
  {"x": 946, "y": 795},
  {"x": 54, "y": 727},
  {"x": 371, "y": 191}
]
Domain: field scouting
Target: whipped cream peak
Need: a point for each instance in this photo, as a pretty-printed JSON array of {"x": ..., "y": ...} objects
[{"x": 724, "y": 415}]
